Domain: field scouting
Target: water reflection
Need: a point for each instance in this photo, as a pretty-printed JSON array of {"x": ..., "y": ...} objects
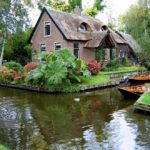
[{"x": 99, "y": 120}]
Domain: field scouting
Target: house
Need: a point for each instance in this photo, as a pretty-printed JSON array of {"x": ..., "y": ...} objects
[{"x": 81, "y": 34}]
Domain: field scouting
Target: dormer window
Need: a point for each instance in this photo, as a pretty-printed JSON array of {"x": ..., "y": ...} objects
[
  {"x": 47, "y": 29},
  {"x": 104, "y": 28},
  {"x": 82, "y": 27}
]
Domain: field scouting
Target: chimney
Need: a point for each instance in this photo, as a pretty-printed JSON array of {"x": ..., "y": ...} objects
[{"x": 77, "y": 10}]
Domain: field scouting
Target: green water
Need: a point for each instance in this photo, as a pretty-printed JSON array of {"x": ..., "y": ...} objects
[{"x": 97, "y": 120}]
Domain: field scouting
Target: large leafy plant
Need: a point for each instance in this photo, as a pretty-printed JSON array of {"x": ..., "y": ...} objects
[{"x": 58, "y": 70}]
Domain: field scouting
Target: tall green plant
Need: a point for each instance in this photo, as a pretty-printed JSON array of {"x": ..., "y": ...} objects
[{"x": 58, "y": 70}]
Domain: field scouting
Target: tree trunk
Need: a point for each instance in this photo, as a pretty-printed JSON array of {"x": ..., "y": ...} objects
[{"x": 2, "y": 53}]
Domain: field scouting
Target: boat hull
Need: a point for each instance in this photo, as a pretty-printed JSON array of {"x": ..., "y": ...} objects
[
  {"x": 128, "y": 94},
  {"x": 138, "y": 81}
]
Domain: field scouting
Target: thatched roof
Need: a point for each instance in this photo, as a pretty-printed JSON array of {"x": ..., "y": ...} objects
[
  {"x": 97, "y": 39},
  {"x": 131, "y": 41},
  {"x": 69, "y": 24},
  {"x": 117, "y": 38}
]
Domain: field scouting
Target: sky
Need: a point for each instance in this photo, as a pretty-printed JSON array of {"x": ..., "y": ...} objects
[
  {"x": 118, "y": 7},
  {"x": 114, "y": 9}
]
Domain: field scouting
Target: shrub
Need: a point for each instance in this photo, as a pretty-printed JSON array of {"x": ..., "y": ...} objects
[
  {"x": 31, "y": 66},
  {"x": 18, "y": 78},
  {"x": 14, "y": 66},
  {"x": 58, "y": 71},
  {"x": 112, "y": 65},
  {"x": 116, "y": 63},
  {"x": 6, "y": 75},
  {"x": 10, "y": 76},
  {"x": 94, "y": 67}
]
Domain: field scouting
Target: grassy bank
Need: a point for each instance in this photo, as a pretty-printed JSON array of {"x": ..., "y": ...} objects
[
  {"x": 102, "y": 77},
  {"x": 125, "y": 69},
  {"x": 144, "y": 99},
  {"x": 96, "y": 79}
]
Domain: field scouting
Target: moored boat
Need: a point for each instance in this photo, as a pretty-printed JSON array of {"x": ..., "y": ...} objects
[
  {"x": 132, "y": 91},
  {"x": 140, "y": 78}
]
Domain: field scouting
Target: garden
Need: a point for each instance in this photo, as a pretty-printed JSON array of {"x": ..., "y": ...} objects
[{"x": 60, "y": 71}]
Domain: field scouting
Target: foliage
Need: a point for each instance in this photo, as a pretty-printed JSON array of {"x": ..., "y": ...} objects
[
  {"x": 124, "y": 62},
  {"x": 59, "y": 4},
  {"x": 74, "y": 3},
  {"x": 94, "y": 67},
  {"x": 99, "y": 5},
  {"x": 93, "y": 11},
  {"x": 100, "y": 54},
  {"x": 17, "y": 48},
  {"x": 14, "y": 66},
  {"x": 58, "y": 71},
  {"x": 112, "y": 65},
  {"x": 13, "y": 16},
  {"x": 136, "y": 21},
  {"x": 2, "y": 147},
  {"x": 116, "y": 63},
  {"x": 38, "y": 143},
  {"x": 8, "y": 75},
  {"x": 30, "y": 66}
]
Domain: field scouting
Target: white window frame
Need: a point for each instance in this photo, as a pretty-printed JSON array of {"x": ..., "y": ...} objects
[
  {"x": 50, "y": 28},
  {"x": 57, "y": 43},
  {"x": 40, "y": 47}
]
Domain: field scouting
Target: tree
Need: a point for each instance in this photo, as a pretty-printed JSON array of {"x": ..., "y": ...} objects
[
  {"x": 58, "y": 4},
  {"x": 74, "y": 3},
  {"x": 17, "y": 47},
  {"x": 13, "y": 17},
  {"x": 136, "y": 21},
  {"x": 4, "y": 9},
  {"x": 93, "y": 11}
]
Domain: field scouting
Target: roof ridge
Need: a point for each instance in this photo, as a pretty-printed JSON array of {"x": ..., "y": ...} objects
[{"x": 71, "y": 13}]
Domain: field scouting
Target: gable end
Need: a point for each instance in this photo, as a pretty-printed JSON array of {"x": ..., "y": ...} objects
[{"x": 43, "y": 11}]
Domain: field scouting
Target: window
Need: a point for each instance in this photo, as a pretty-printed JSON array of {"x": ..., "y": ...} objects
[
  {"x": 121, "y": 54},
  {"x": 47, "y": 28},
  {"x": 76, "y": 49},
  {"x": 104, "y": 28},
  {"x": 57, "y": 46},
  {"x": 82, "y": 27},
  {"x": 42, "y": 47}
]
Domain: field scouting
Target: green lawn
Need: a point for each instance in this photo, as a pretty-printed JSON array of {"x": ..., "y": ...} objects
[
  {"x": 144, "y": 99},
  {"x": 96, "y": 79},
  {"x": 125, "y": 69},
  {"x": 102, "y": 77}
]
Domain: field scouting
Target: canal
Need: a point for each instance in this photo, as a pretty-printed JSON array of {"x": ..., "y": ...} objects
[{"x": 97, "y": 120}]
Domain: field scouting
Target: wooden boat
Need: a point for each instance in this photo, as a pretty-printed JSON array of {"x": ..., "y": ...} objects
[
  {"x": 132, "y": 91},
  {"x": 140, "y": 78}
]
